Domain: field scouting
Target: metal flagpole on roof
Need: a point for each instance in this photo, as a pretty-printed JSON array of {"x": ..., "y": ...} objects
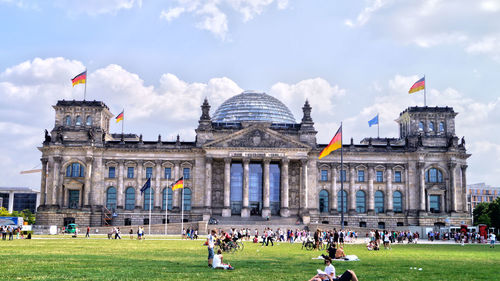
[
  {"x": 425, "y": 92},
  {"x": 182, "y": 211},
  {"x": 341, "y": 179},
  {"x": 86, "y": 81},
  {"x": 149, "y": 210}
]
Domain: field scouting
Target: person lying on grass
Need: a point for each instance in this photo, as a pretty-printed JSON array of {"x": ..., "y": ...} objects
[
  {"x": 217, "y": 262},
  {"x": 329, "y": 273}
]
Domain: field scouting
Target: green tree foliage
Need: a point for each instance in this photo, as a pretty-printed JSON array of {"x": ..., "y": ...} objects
[
  {"x": 26, "y": 214},
  {"x": 488, "y": 213}
]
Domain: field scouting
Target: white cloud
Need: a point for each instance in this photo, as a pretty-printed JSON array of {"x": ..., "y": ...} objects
[
  {"x": 439, "y": 39},
  {"x": 212, "y": 15},
  {"x": 97, "y": 7},
  {"x": 365, "y": 15},
  {"x": 320, "y": 94},
  {"x": 488, "y": 45},
  {"x": 490, "y": 6}
]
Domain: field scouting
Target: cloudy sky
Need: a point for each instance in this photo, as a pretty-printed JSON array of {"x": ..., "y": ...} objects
[{"x": 160, "y": 59}]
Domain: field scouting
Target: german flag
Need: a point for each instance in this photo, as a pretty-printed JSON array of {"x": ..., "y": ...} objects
[
  {"x": 119, "y": 117},
  {"x": 80, "y": 78},
  {"x": 419, "y": 85},
  {"x": 334, "y": 144},
  {"x": 178, "y": 184}
]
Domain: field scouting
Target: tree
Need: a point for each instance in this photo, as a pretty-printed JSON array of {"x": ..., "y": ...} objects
[
  {"x": 494, "y": 213},
  {"x": 480, "y": 210}
]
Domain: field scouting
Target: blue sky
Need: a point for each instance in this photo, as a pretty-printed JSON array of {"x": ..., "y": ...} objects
[{"x": 159, "y": 59}]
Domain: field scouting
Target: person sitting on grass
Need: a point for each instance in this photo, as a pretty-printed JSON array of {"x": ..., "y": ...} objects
[
  {"x": 329, "y": 273},
  {"x": 218, "y": 263},
  {"x": 340, "y": 253}
]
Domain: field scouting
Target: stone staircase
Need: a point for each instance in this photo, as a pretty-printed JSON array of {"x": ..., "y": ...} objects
[{"x": 255, "y": 222}]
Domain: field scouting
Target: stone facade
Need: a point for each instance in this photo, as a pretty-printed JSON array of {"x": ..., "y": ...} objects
[{"x": 252, "y": 168}]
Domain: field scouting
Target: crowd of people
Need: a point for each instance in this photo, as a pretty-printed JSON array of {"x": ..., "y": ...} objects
[
  {"x": 189, "y": 233},
  {"x": 9, "y": 231}
]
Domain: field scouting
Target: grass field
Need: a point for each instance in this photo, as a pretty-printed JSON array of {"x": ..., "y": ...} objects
[{"x": 102, "y": 259}]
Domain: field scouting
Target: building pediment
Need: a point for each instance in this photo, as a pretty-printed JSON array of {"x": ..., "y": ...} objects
[{"x": 256, "y": 136}]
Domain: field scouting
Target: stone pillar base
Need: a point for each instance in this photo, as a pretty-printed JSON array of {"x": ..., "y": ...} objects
[
  {"x": 266, "y": 212},
  {"x": 206, "y": 216},
  {"x": 226, "y": 212},
  {"x": 422, "y": 213},
  {"x": 389, "y": 213},
  {"x": 306, "y": 219},
  {"x": 284, "y": 212},
  {"x": 245, "y": 213},
  {"x": 371, "y": 212}
]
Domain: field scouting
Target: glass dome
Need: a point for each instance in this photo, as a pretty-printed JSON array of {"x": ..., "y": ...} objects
[{"x": 253, "y": 106}]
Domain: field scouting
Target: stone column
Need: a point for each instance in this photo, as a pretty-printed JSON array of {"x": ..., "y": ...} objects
[
  {"x": 226, "y": 212},
  {"x": 97, "y": 191},
  {"x": 208, "y": 185},
  {"x": 87, "y": 189},
  {"x": 303, "y": 186},
  {"x": 388, "y": 191},
  {"x": 120, "y": 202},
  {"x": 245, "y": 211},
  {"x": 453, "y": 186},
  {"x": 334, "y": 191},
  {"x": 11, "y": 202},
  {"x": 139, "y": 198},
  {"x": 55, "y": 184},
  {"x": 421, "y": 169},
  {"x": 266, "y": 211},
  {"x": 371, "y": 195},
  {"x": 352, "y": 193},
  {"x": 464, "y": 188},
  {"x": 176, "y": 195},
  {"x": 284, "y": 211},
  {"x": 157, "y": 186},
  {"x": 43, "y": 183}
]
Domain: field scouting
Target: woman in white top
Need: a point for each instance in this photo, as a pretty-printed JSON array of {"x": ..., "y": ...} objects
[
  {"x": 329, "y": 273},
  {"x": 217, "y": 262}
]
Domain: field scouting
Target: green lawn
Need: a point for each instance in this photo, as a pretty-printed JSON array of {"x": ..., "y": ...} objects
[{"x": 102, "y": 259}]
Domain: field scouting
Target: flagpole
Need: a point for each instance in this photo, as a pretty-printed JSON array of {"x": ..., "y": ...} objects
[
  {"x": 341, "y": 178},
  {"x": 425, "y": 92},
  {"x": 182, "y": 212},
  {"x": 378, "y": 127},
  {"x": 149, "y": 209},
  {"x": 123, "y": 121},
  {"x": 86, "y": 81}
]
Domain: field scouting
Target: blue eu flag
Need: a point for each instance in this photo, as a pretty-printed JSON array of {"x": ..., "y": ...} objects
[
  {"x": 374, "y": 121},
  {"x": 146, "y": 185}
]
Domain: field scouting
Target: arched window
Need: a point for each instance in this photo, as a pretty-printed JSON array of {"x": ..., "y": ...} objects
[
  {"x": 187, "y": 199},
  {"x": 433, "y": 175},
  {"x": 167, "y": 195},
  {"x": 379, "y": 202},
  {"x": 148, "y": 196},
  {"x": 323, "y": 201},
  {"x": 431, "y": 126},
  {"x": 78, "y": 121},
  {"x": 360, "y": 202},
  {"x": 68, "y": 120},
  {"x": 420, "y": 126},
  {"x": 88, "y": 122},
  {"x": 111, "y": 198},
  {"x": 339, "y": 201},
  {"x": 441, "y": 127},
  {"x": 397, "y": 202},
  {"x": 130, "y": 198},
  {"x": 75, "y": 170}
]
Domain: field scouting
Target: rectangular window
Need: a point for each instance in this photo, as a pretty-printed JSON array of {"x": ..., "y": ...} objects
[
  {"x": 149, "y": 172},
  {"x": 130, "y": 172},
  {"x": 397, "y": 176},
  {"x": 74, "y": 199},
  {"x": 380, "y": 176},
  {"x": 324, "y": 175},
  {"x": 435, "y": 203},
  {"x": 168, "y": 173},
  {"x": 111, "y": 172},
  {"x": 361, "y": 176},
  {"x": 342, "y": 176},
  {"x": 186, "y": 174}
]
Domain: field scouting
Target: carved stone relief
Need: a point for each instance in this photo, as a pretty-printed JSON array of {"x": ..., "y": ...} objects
[{"x": 218, "y": 184}]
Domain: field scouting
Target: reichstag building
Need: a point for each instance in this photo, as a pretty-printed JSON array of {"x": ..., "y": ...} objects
[{"x": 251, "y": 158}]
